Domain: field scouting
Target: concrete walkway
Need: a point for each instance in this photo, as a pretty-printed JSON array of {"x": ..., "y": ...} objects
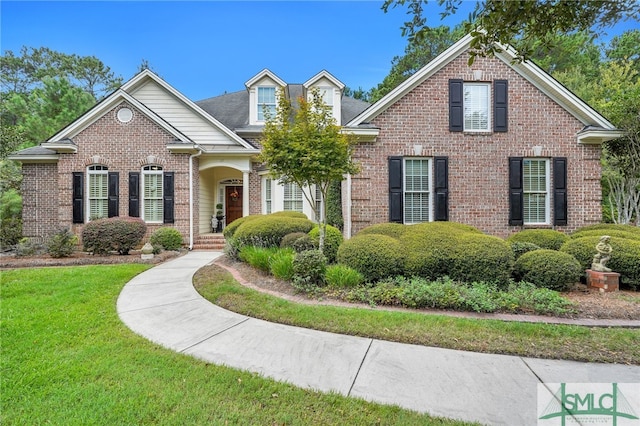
[{"x": 162, "y": 305}]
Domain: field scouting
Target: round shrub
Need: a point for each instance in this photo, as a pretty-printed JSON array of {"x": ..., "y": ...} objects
[
  {"x": 543, "y": 238},
  {"x": 10, "y": 231},
  {"x": 62, "y": 243},
  {"x": 231, "y": 228},
  {"x": 309, "y": 268},
  {"x": 291, "y": 214},
  {"x": 166, "y": 238},
  {"x": 428, "y": 252},
  {"x": 374, "y": 256},
  {"x": 624, "y": 257},
  {"x": 609, "y": 228},
  {"x": 616, "y": 233},
  {"x": 520, "y": 247},
  {"x": 391, "y": 229},
  {"x": 342, "y": 276},
  {"x": 269, "y": 230},
  {"x": 479, "y": 257},
  {"x": 103, "y": 236},
  {"x": 550, "y": 269},
  {"x": 291, "y": 239},
  {"x": 332, "y": 240}
]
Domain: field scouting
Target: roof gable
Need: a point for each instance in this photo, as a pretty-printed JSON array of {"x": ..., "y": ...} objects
[
  {"x": 527, "y": 69},
  {"x": 265, "y": 73},
  {"x": 323, "y": 75}
]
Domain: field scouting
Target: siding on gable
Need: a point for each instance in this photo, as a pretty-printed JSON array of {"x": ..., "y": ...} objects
[
  {"x": 181, "y": 117},
  {"x": 478, "y": 163}
]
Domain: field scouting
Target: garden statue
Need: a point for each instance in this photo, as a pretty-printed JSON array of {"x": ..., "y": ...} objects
[{"x": 604, "y": 254}]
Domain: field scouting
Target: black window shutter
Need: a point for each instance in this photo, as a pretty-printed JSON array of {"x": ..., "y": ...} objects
[
  {"x": 516, "y": 193},
  {"x": 114, "y": 194},
  {"x": 168, "y": 197},
  {"x": 560, "y": 191},
  {"x": 456, "y": 108},
  {"x": 134, "y": 194},
  {"x": 500, "y": 106},
  {"x": 78, "y": 197},
  {"x": 395, "y": 189},
  {"x": 441, "y": 188}
]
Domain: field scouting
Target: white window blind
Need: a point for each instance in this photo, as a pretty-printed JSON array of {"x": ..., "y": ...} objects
[
  {"x": 292, "y": 197},
  {"x": 267, "y": 196},
  {"x": 98, "y": 192},
  {"x": 152, "y": 191},
  {"x": 416, "y": 190},
  {"x": 476, "y": 106},
  {"x": 536, "y": 191}
]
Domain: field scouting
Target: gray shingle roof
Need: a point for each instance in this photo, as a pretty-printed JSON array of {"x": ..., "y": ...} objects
[{"x": 232, "y": 109}]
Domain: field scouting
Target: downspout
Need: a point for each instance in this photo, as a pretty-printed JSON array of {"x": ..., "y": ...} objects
[
  {"x": 191, "y": 157},
  {"x": 347, "y": 209}
]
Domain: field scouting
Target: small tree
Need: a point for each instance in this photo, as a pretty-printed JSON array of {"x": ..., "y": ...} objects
[{"x": 307, "y": 147}]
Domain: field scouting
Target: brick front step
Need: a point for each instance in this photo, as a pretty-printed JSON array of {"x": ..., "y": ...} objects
[{"x": 214, "y": 242}]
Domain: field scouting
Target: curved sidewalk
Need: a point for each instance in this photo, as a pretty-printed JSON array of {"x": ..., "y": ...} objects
[{"x": 162, "y": 305}]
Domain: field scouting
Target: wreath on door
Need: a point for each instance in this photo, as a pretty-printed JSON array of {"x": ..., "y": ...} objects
[{"x": 234, "y": 195}]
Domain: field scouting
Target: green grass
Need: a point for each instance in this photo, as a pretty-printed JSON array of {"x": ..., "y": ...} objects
[
  {"x": 68, "y": 360},
  {"x": 551, "y": 341}
]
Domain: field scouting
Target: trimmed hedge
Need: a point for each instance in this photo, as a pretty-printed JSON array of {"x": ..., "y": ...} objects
[
  {"x": 625, "y": 257},
  {"x": 269, "y": 230},
  {"x": 609, "y": 227},
  {"x": 231, "y": 228},
  {"x": 391, "y": 229},
  {"x": 298, "y": 241},
  {"x": 375, "y": 256},
  {"x": 547, "y": 268},
  {"x": 615, "y": 233},
  {"x": 519, "y": 248},
  {"x": 120, "y": 234},
  {"x": 543, "y": 238},
  {"x": 166, "y": 238},
  {"x": 332, "y": 240}
]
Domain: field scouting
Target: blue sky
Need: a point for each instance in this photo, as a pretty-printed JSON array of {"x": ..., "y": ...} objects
[{"x": 206, "y": 48}]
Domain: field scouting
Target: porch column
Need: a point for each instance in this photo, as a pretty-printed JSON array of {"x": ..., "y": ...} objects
[{"x": 245, "y": 194}]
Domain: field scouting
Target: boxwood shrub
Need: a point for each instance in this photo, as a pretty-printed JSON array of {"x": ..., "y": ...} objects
[
  {"x": 119, "y": 234},
  {"x": 166, "y": 238},
  {"x": 624, "y": 257},
  {"x": 332, "y": 240},
  {"x": 269, "y": 230},
  {"x": 609, "y": 228},
  {"x": 547, "y": 268},
  {"x": 298, "y": 241},
  {"x": 309, "y": 268},
  {"x": 479, "y": 257},
  {"x": 373, "y": 255},
  {"x": 520, "y": 247},
  {"x": 231, "y": 228},
  {"x": 391, "y": 229},
  {"x": 543, "y": 238}
]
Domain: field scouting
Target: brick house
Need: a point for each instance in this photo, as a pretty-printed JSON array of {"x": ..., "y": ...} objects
[{"x": 501, "y": 146}]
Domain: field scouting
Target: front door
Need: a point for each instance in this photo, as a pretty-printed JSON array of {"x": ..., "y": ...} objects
[{"x": 233, "y": 197}]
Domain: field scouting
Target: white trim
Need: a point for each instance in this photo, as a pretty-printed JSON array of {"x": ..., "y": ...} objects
[
  {"x": 98, "y": 111},
  {"x": 138, "y": 80},
  {"x": 547, "y": 200},
  {"x": 596, "y": 137},
  {"x": 465, "y": 104},
  {"x": 324, "y": 74},
  {"x": 264, "y": 73},
  {"x": 430, "y": 191}
]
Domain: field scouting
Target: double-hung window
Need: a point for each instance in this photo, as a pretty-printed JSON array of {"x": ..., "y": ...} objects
[
  {"x": 98, "y": 190},
  {"x": 535, "y": 180},
  {"x": 417, "y": 190},
  {"x": 292, "y": 197},
  {"x": 266, "y": 102},
  {"x": 268, "y": 195},
  {"x": 152, "y": 197},
  {"x": 477, "y": 97}
]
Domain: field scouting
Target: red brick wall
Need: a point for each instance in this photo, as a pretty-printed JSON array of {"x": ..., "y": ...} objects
[
  {"x": 39, "y": 200},
  {"x": 478, "y": 163},
  {"x": 124, "y": 148}
]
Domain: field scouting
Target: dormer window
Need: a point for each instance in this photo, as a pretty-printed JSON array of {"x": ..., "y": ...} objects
[
  {"x": 266, "y": 102},
  {"x": 327, "y": 95}
]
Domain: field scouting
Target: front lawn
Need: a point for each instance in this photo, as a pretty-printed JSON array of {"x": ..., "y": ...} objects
[{"x": 67, "y": 359}]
